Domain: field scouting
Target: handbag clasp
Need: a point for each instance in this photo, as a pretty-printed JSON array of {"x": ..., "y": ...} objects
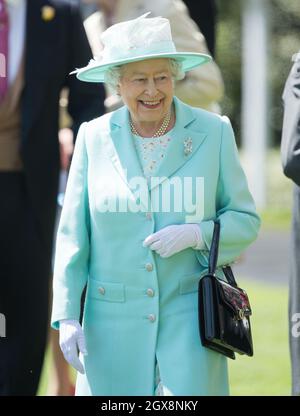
[{"x": 241, "y": 314}]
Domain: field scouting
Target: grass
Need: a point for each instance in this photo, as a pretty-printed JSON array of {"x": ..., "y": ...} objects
[
  {"x": 277, "y": 213},
  {"x": 267, "y": 373},
  {"x": 274, "y": 218}
]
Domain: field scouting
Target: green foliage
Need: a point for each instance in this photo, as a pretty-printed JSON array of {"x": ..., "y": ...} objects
[
  {"x": 283, "y": 42},
  {"x": 279, "y": 187},
  {"x": 228, "y": 57}
]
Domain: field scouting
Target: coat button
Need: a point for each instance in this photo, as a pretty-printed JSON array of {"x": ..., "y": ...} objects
[
  {"x": 149, "y": 267},
  {"x": 101, "y": 290},
  {"x": 149, "y": 216},
  {"x": 150, "y": 292},
  {"x": 151, "y": 317}
]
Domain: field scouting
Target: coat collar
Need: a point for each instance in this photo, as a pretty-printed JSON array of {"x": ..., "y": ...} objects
[{"x": 124, "y": 156}]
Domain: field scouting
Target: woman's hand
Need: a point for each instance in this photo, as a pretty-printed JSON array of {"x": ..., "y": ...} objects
[
  {"x": 71, "y": 339},
  {"x": 174, "y": 238}
]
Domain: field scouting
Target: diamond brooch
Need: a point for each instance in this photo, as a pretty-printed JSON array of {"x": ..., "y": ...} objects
[{"x": 188, "y": 146}]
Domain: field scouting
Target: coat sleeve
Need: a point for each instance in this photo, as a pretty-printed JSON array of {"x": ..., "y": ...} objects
[
  {"x": 73, "y": 240},
  {"x": 290, "y": 140},
  {"x": 235, "y": 207}
]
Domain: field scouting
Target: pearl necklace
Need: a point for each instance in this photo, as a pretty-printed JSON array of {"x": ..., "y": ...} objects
[{"x": 160, "y": 132}]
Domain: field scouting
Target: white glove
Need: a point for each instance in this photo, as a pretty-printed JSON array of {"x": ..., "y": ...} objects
[
  {"x": 174, "y": 238},
  {"x": 71, "y": 339}
]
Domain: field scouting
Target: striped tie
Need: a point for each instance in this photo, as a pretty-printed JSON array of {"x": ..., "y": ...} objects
[{"x": 3, "y": 49}]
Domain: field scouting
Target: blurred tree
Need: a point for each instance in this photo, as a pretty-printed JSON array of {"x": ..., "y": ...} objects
[
  {"x": 284, "y": 42},
  {"x": 228, "y": 57}
]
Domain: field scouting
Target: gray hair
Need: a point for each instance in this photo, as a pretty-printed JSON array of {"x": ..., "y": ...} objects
[{"x": 113, "y": 75}]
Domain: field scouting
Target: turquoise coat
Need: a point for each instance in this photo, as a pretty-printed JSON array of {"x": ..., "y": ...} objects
[{"x": 140, "y": 306}]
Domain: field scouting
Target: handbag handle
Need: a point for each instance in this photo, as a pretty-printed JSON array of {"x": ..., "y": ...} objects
[
  {"x": 214, "y": 248},
  {"x": 229, "y": 276},
  {"x": 213, "y": 256}
]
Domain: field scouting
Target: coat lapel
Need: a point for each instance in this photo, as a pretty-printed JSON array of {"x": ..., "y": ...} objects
[
  {"x": 120, "y": 147},
  {"x": 121, "y": 150},
  {"x": 176, "y": 157}
]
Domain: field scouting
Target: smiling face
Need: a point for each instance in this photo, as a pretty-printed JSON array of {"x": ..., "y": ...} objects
[{"x": 146, "y": 87}]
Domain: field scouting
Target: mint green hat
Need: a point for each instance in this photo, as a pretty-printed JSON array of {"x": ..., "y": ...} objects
[{"x": 136, "y": 40}]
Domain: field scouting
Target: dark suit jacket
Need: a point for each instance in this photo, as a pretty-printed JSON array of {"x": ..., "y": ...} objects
[
  {"x": 290, "y": 141},
  {"x": 52, "y": 50},
  {"x": 290, "y": 155},
  {"x": 204, "y": 15}
]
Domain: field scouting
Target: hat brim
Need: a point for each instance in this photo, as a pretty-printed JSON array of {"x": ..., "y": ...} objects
[{"x": 94, "y": 72}]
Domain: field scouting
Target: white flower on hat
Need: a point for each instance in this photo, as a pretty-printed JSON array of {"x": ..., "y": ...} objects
[
  {"x": 135, "y": 40},
  {"x": 133, "y": 34}
]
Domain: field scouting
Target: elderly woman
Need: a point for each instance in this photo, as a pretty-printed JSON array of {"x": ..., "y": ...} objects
[{"x": 145, "y": 185}]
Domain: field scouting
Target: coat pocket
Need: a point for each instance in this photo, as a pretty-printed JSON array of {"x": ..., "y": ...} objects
[{"x": 106, "y": 291}]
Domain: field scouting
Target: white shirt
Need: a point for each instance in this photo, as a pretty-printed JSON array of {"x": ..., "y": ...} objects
[{"x": 16, "y": 37}]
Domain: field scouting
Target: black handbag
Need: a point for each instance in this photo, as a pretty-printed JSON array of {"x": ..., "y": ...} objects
[{"x": 223, "y": 309}]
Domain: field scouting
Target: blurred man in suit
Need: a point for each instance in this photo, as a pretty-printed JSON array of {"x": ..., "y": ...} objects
[
  {"x": 290, "y": 155},
  {"x": 56, "y": 43},
  {"x": 204, "y": 15}
]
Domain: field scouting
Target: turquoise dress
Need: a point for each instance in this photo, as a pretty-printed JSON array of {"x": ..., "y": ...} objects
[{"x": 151, "y": 151}]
